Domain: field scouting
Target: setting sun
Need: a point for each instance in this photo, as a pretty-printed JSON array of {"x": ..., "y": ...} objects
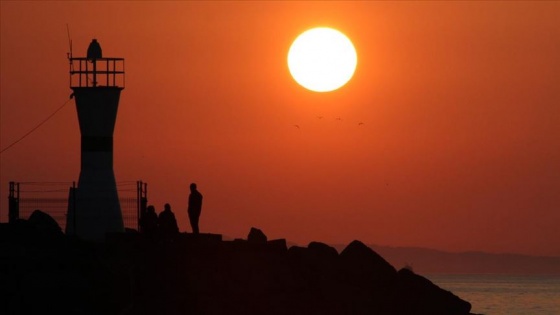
[{"x": 322, "y": 59}]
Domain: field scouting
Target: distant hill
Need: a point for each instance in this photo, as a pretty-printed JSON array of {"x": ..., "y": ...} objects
[{"x": 430, "y": 261}]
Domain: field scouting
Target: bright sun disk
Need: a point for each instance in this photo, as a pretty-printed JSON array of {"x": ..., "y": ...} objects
[{"x": 322, "y": 59}]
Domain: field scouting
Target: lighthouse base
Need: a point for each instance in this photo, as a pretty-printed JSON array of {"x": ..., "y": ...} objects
[{"x": 94, "y": 208}]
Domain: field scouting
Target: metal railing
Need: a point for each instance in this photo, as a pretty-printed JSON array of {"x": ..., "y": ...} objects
[
  {"x": 53, "y": 198},
  {"x": 107, "y": 72}
]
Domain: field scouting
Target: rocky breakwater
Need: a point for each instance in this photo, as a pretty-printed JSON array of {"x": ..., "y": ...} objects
[{"x": 43, "y": 270}]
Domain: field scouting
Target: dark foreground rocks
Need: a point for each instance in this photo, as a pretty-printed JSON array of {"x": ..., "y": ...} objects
[{"x": 43, "y": 271}]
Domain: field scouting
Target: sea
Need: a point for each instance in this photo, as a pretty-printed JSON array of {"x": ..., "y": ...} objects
[{"x": 505, "y": 294}]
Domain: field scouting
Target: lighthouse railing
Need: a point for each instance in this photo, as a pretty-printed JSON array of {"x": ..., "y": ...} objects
[
  {"x": 101, "y": 72},
  {"x": 53, "y": 199}
]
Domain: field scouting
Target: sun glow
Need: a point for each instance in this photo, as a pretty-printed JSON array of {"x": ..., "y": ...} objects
[{"x": 322, "y": 59}]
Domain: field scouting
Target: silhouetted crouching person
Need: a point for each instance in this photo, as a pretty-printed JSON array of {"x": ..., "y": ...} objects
[
  {"x": 150, "y": 221},
  {"x": 195, "y": 207},
  {"x": 167, "y": 223}
]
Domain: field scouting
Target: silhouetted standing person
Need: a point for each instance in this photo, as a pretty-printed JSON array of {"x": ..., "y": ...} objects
[
  {"x": 167, "y": 222},
  {"x": 195, "y": 207}
]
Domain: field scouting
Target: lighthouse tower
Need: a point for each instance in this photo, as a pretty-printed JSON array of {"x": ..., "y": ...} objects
[{"x": 97, "y": 82}]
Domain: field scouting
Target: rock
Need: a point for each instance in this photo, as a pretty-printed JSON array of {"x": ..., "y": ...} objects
[
  {"x": 322, "y": 250},
  {"x": 278, "y": 245},
  {"x": 418, "y": 295},
  {"x": 256, "y": 236},
  {"x": 363, "y": 267},
  {"x": 296, "y": 251},
  {"x": 44, "y": 222},
  {"x": 44, "y": 265},
  {"x": 322, "y": 262}
]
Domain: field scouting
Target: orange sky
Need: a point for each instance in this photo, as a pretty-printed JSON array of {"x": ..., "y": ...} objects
[{"x": 459, "y": 150}]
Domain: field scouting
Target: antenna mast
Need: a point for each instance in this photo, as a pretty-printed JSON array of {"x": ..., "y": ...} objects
[{"x": 69, "y": 54}]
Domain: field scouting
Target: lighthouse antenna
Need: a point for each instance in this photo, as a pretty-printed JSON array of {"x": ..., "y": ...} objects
[
  {"x": 69, "y": 54},
  {"x": 69, "y": 40}
]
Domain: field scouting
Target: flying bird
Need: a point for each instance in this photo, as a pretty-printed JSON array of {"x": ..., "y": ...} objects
[
  {"x": 360, "y": 123},
  {"x": 297, "y": 126},
  {"x": 338, "y": 118}
]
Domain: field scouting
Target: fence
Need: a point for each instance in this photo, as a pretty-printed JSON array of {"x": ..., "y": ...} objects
[{"x": 53, "y": 198}]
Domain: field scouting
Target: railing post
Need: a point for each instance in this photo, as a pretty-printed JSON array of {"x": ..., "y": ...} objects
[
  {"x": 139, "y": 213},
  {"x": 144, "y": 200},
  {"x": 13, "y": 202},
  {"x": 141, "y": 202}
]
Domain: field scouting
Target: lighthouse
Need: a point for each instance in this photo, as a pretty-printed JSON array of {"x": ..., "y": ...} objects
[{"x": 96, "y": 81}]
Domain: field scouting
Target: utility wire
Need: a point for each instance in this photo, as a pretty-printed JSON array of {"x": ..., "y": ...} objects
[{"x": 39, "y": 125}]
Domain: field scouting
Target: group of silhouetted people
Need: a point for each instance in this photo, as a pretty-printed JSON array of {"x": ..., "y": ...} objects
[{"x": 165, "y": 225}]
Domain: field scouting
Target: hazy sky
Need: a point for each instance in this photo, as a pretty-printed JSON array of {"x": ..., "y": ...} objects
[{"x": 460, "y": 103}]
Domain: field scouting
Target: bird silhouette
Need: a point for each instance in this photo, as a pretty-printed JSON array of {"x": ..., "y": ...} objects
[
  {"x": 297, "y": 126},
  {"x": 338, "y": 118},
  {"x": 360, "y": 123}
]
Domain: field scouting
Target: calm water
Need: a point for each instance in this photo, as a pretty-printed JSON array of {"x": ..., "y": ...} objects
[{"x": 505, "y": 295}]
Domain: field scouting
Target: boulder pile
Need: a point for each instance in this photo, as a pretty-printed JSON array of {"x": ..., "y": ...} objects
[{"x": 44, "y": 270}]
